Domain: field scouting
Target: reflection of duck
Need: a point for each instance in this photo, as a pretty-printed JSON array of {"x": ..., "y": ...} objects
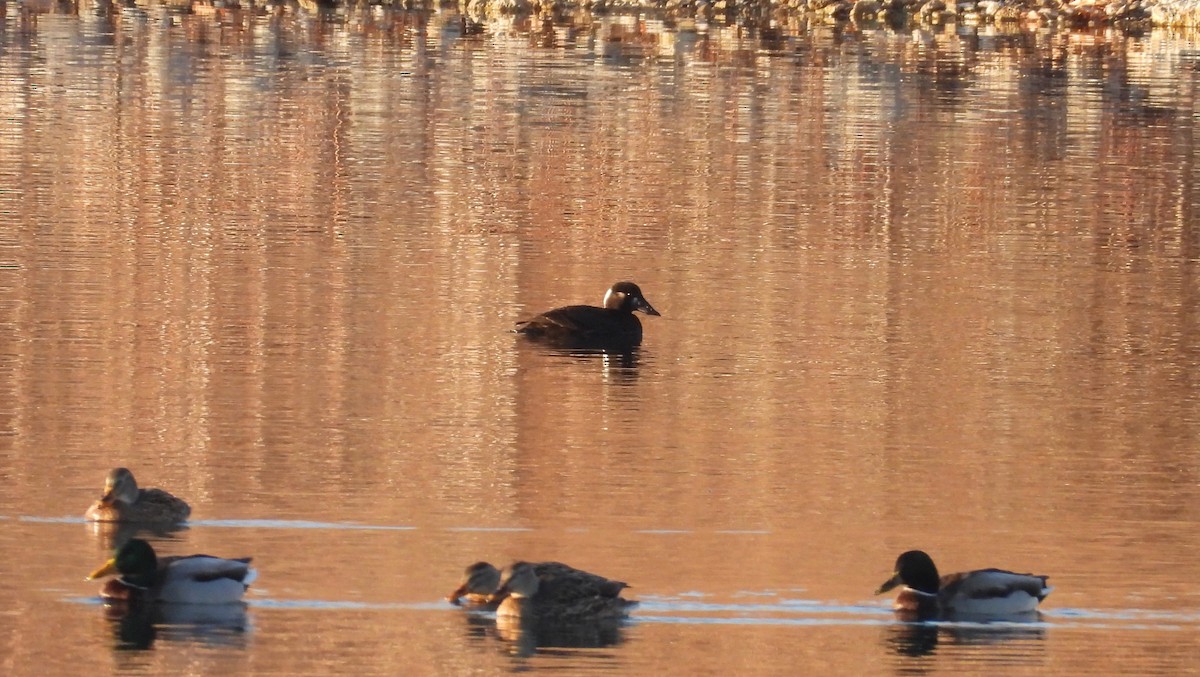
[
  {"x": 560, "y": 595},
  {"x": 112, "y": 535},
  {"x": 123, "y": 501},
  {"x": 540, "y": 635},
  {"x": 527, "y": 637},
  {"x": 138, "y": 626},
  {"x": 913, "y": 639},
  {"x": 613, "y": 326},
  {"x": 481, "y": 581},
  {"x": 978, "y": 594},
  {"x": 923, "y": 639},
  {"x": 194, "y": 579}
]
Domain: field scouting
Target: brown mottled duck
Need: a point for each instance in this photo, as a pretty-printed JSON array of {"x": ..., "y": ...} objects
[{"x": 123, "y": 501}]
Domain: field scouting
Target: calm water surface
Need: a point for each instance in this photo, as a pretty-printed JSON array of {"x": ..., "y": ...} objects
[{"x": 919, "y": 289}]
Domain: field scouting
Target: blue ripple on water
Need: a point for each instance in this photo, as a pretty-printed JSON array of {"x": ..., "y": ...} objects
[
  {"x": 661, "y": 610},
  {"x": 297, "y": 524}
]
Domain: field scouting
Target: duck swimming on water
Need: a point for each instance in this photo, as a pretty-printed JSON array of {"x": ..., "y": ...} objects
[
  {"x": 123, "y": 501},
  {"x": 567, "y": 596},
  {"x": 612, "y": 326},
  {"x": 195, "y": 579},
  {"x": 979, "y": 593},
  {"x": 481, "y": 581}
]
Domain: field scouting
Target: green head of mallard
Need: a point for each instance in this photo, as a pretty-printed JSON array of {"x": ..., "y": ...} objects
[
  {"x": 135, "y": 561},
  {"x": 916, "y": 570}
]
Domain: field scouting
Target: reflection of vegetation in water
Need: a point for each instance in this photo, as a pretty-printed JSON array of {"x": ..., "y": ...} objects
[
  {"x": 897, "y": 13},
  {"x": 944, "y": 57}
]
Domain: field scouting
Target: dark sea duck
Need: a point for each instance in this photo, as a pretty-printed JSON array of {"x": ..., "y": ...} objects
[
  {"x": 564, "y": 596},
  {"x": 979, "y": 594},
  {"x": 612, "y": 327},
  {"x": 194, "y": 579},
  {"x": 481, "y": 581},
  {"x": 123, "y": 501}
]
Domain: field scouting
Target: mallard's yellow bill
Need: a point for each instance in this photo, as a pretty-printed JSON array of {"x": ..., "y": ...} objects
[
  {"x": 889, "y": 584},
  {"x": 109, "y": 569}
]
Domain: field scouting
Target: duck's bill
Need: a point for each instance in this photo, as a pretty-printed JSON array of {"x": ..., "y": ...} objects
[
  {"x": 499, "y": 595},
  {"x": 889, "y": 584},
  {"x": 109, "y": 569},
  {"x": 108, "y": 498},
  {"x": 647, "y": 308},
  {"x": 457, "y": 594}
]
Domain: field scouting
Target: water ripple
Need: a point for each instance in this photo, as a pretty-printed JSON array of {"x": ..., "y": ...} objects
[
  {"x": 357, "y": 526},
  {"x": 657, "y": 610}
]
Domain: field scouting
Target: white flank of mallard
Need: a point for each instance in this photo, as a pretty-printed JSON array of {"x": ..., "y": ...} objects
[
  {"x": 992, "y": 591},
  {"x": 202, "y": 579}
]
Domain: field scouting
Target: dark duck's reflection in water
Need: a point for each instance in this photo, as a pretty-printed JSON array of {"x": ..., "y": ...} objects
[
  {"x": 543, "y": 636},
  {"x": 112, "y": 535},
  {"x": 613, "y": 327}
]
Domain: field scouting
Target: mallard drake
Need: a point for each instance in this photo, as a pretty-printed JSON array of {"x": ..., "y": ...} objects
[
  {"x": 561, "y": 594},
  {"x": 481, "y": 580},
  {"x": 194, "y": 579},
  {"x": 983, "y": 592},
  {"x": 611, "y": 326},
  {"x": 123, "y": 501}
]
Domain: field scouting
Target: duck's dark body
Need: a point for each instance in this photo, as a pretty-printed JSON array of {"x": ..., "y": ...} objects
[
  {"x": 124, "y": 501},
  {"x": 556, "y": 581},
  {"x": 584, "y": 327},
  {"x": 614, "y": 326},
  {"x": 556, "y": 592},
  {"x": 560, "y": 582}
]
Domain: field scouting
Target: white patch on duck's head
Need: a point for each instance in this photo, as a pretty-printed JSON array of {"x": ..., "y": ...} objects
[{"x": 613, "y": 300}]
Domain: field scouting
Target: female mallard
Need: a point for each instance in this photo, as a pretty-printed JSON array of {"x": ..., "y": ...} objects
[
  {"x": 983, "y": 592},
  {"x": 123, "y": 501},
  {"x": 559, "y": 593},
  {"x": 194, "y": 579},
  {"x": 613, "y": 326},
  {"x": 481, "y": 580}
]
